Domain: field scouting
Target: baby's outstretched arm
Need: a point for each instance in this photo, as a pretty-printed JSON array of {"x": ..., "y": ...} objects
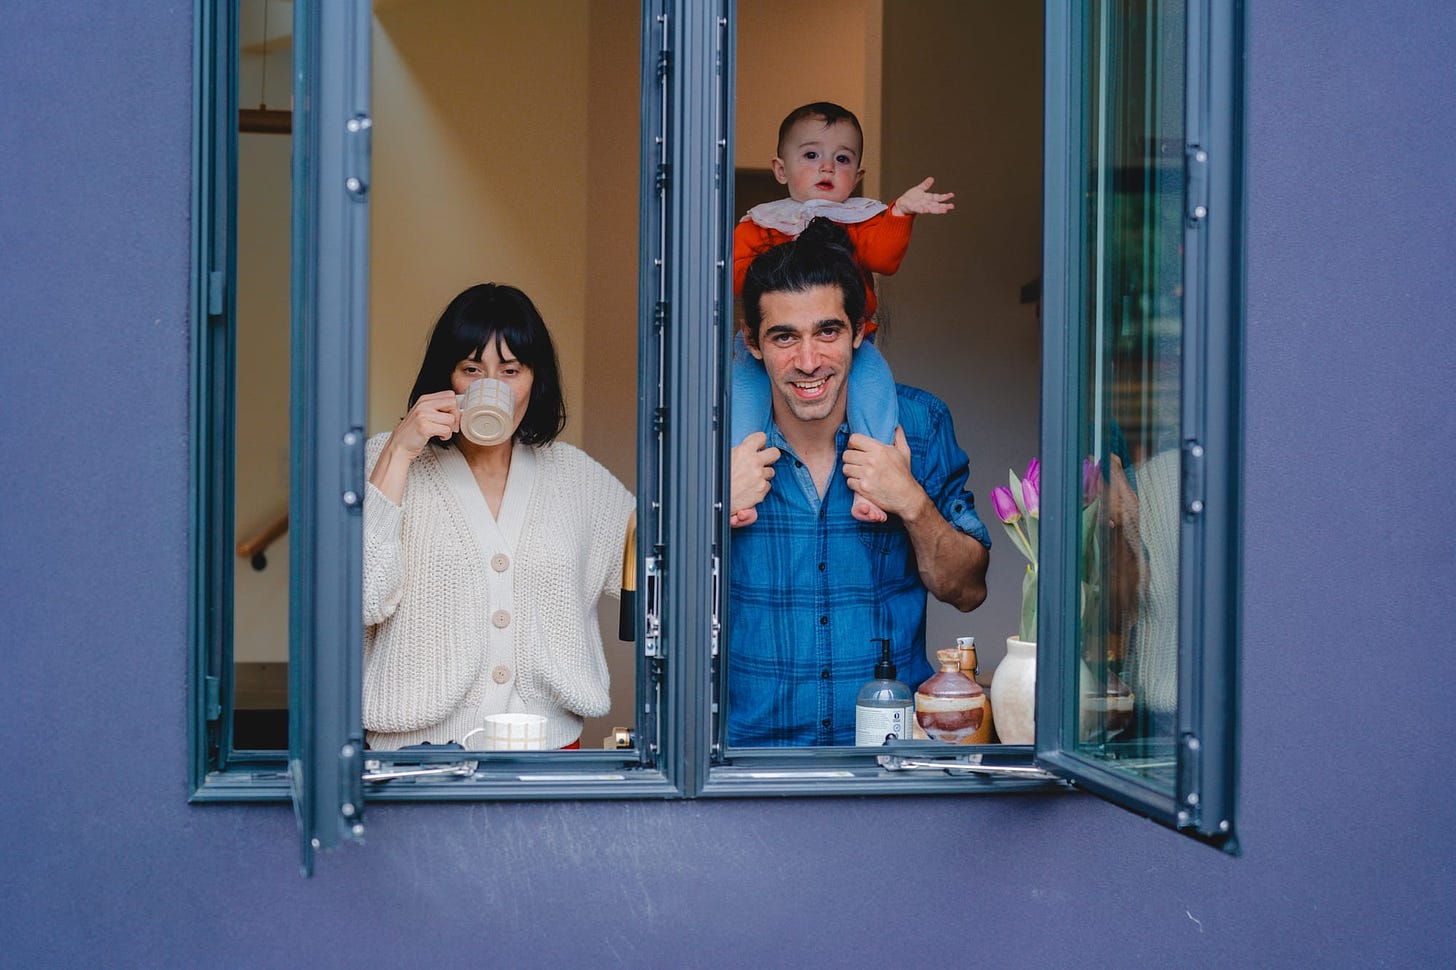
[{"x": 920, "y": 201}]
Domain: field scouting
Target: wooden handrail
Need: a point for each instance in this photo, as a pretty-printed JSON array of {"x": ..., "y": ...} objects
[
  {"x": 253, "y": 549},
  {"x": 266, "y": 121}
]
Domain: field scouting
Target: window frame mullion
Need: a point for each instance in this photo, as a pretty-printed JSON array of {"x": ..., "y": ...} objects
[
  {"x": 214, "y": 304},
  {"x": 695, "y": 277},
  {"x": 330, "y": 300}
]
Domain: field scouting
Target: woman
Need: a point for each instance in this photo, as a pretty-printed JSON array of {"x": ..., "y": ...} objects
[{"x": 483, "y": 564}]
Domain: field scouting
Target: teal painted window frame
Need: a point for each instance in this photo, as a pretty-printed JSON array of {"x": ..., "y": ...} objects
[
  {"x": 1203, "y": 803},
  {"x": 686, "y": 219}
]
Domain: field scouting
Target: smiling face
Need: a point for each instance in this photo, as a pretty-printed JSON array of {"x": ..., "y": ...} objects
[
  {"x": 819, "y": 161},
  {"x": 497, "y": 360},
  {"x": 806, "y": 345}
]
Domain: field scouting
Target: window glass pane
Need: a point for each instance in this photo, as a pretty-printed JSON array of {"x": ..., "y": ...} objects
[
  {"x": 477, "y": 176},
  {"x": 505, "y": 150},
  {"x": 260, "y": 578},
  {"x": 957, "y": 318},
  {"x": 1133, "y": 382}
]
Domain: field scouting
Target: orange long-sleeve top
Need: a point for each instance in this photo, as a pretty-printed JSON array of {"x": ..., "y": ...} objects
[{"x": 879, "y": 246}]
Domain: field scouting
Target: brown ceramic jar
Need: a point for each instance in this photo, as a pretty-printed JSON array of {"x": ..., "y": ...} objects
[{"x": 950, "y": 706}]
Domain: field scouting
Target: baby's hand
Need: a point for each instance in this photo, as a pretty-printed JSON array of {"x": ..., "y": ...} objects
[{"x": 920, "y": 201}]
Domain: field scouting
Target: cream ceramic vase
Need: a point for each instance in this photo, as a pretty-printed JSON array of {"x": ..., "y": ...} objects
[{"x": 1013, "y": 693}]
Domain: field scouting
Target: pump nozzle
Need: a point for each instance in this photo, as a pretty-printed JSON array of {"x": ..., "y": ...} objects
[{"x": 885, "y": 669}]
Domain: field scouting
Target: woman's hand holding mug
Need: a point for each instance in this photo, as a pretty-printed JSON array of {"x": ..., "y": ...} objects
[{"x": 434, "y": 415}]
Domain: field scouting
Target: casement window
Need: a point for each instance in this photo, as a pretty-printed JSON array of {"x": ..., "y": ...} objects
[{"x": 1140, "y": 315}]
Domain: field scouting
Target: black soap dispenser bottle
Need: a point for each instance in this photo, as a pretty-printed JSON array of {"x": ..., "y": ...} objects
[{"x": 885, "y": 708}]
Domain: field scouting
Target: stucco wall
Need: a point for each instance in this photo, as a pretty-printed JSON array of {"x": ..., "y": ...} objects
[{"x": 1347, "y": 809}]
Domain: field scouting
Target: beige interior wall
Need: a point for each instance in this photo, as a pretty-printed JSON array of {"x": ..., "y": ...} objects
[
  {"x": 963, "y": 102},
  {"x": 260, "y": 598},
  {"x": 609, "y": 417},
  {"x": 479, "y": 162},
  {"x": 791, "y": 52}
]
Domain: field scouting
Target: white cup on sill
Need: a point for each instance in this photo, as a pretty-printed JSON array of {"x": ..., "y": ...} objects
[{"x": 509, "y": 732}]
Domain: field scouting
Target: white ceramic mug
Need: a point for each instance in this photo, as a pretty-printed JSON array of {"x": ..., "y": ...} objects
[
  {"x": 487, "y": 411},
  {"x": 508, "y": 732}
]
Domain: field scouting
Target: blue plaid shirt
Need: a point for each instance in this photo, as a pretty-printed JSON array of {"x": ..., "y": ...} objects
[{"x": 812, "y": 587}]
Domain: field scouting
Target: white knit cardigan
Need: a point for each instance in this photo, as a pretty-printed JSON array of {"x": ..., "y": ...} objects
[{"x": 427, "y": 610}]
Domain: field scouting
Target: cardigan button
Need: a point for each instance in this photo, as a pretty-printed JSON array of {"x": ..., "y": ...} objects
[
  {"x": 501, "y": 619},
  {"x": 500, "y": 674},
  {"x": 500, "y": 562}
]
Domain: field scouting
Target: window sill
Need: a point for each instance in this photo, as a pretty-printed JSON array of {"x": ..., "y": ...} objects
[{"x": 754, "y": 773}]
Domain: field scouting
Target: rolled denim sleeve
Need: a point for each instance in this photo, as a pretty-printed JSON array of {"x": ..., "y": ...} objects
[{"x": 939, "y": 463}]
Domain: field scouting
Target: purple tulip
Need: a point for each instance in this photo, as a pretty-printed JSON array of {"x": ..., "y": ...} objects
[
  {"x": 1005, "y": 505},
  {"x": 1031, "y": 488}
]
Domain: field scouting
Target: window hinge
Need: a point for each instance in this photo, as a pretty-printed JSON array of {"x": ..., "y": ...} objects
[
  {"x": 212, "y": 697},
  {"x": 1190, "y": 762},
  {"x": 1196, "y": 168},
  {"x": 351, "y": 783},
  {"x": 216, "y": 293},
  {"x": 652, "y": 610},
  {"x": 1193, "y": 476}
]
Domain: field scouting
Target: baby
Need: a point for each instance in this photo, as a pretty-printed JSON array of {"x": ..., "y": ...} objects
[{"x": 818, "y": 159}]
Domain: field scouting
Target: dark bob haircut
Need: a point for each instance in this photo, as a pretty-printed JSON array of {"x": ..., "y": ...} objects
[
  {"x": 492, "y": 314},
  {"x": 826, "y": 111},
  {"x": 821, "y": 255}
]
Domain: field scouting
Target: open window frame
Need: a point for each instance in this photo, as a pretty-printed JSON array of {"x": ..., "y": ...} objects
[
  {"x": 1203, "y": 802},
  {"x": 687, "y": 212},
  {"x": 1201, "y": 799},
  {"x": 328, "y": 774}
]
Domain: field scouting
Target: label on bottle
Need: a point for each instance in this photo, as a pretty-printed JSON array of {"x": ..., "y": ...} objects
[{"x": 872, "y": 725}]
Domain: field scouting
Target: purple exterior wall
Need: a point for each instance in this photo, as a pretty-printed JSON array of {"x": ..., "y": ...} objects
[{"x": 1347, "y": 808}]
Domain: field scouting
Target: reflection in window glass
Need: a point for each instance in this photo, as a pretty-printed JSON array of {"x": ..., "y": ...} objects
[{"x": 1130, "y": 534}]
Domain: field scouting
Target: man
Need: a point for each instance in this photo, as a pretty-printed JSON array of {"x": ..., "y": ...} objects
[{"x": 813, "y": 588}]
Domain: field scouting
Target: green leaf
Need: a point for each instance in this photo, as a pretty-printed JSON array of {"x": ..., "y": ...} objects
[
  {"x": 1014, "y": 533},
  {"x": 1028, "y": 606}
]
